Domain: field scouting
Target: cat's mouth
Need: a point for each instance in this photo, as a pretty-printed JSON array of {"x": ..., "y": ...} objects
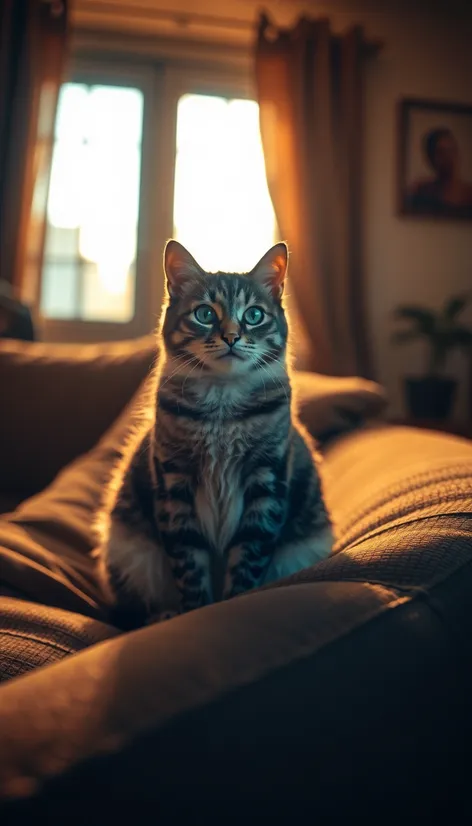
[{"x": 231, "y": 355}]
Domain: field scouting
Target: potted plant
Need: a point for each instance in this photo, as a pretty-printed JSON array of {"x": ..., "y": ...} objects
[{"x": 431, "y": 396}]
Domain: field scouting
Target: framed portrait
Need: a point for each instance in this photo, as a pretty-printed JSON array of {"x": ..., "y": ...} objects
[{"x": 435, "y": 159}]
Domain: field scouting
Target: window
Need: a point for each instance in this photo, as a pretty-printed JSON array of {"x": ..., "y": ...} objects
[
  {"x": 93, "y": 205},
  {"x": 222, "y": 209},
  {"x": 137, "y": 157}
]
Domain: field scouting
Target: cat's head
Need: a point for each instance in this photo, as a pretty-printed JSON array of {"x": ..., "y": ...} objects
[{"x": 226, "y": 323}]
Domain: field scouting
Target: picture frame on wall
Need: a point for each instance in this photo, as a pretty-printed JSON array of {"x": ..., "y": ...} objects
[{"x": 434, "y": 176}]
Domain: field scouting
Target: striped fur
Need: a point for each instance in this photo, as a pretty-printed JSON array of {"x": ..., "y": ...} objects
[{"x": 219, "y": 490}]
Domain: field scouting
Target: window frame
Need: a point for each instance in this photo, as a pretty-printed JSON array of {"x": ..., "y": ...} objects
[
  {"x": 146, "y": 78},
  {"x": 162, "y": 81}
]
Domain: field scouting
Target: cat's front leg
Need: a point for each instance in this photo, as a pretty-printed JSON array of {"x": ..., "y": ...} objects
[
  {"x": 247, "y": 564},
  {"x": 161, "y": 616},
  {"x": 189, "y": 557},
  {"x": 253, "y": 545},
  {"x": 187, "y": 550}
]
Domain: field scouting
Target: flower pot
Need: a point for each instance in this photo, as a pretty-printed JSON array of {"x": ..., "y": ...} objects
[{"x": 431, "y": 397}]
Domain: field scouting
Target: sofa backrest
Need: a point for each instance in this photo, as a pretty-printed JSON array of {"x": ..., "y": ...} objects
[{"x": 57, "y": 400}]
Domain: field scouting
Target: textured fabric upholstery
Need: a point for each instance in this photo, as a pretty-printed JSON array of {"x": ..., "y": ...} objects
[
  {"x": 45, "y": 543},
  {"x": 36, "y": 635},
  {"x": 61, "y": 399},
  {"x": 402, "y": 505},
  {"x": 385, "y": 476},
  {"x": 330, "y": 405}
]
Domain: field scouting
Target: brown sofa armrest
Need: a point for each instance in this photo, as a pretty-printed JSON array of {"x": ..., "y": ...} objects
[{"x": 317, "y": 700}]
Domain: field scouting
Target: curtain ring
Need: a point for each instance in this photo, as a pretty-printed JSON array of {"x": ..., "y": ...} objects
[
  {"x": 56, "y": 7},
  {"x": 267, "y": 29},
  {"x": 271, "y": 33}
]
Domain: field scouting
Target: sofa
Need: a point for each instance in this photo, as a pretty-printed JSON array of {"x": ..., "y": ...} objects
[{"x": 339, "y": 695}]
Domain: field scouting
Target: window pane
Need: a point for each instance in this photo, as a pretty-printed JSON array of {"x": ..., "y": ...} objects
[
  {"x": 71, "y": 116},
  {"x": 66, "y": 188},
  {"x": 106, "y": 293},
  {"x": 115, "y": 116},
  {"x": 61, "y": 243},
  {"x": 93, "y": 205},
  {"x": 222, "y": 209},
  {"x": 59, "y": 289}
]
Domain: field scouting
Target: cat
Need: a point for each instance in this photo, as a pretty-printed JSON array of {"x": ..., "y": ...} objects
[{"x": 219, "y": 491}]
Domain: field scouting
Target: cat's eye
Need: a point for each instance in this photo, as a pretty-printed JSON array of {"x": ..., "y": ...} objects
[
  {"x": 253, "y": 316},
  {"x": 205, "y": 314}
]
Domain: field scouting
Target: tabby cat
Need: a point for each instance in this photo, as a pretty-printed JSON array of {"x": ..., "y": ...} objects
[{"x": 219, "y": 491}]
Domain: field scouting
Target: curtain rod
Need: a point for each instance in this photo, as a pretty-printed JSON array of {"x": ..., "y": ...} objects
[
  {"x": 184, "y": 19},
  {"x": 181, "y": 18}
]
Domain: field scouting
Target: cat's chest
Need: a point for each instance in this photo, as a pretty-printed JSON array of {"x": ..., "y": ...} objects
[{"x": 220, "y": 496}]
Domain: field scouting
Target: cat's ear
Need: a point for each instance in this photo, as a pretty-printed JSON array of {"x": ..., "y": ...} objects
[
  {"x": 180, "y": 267},
  {"x": 271, "y": 270}
]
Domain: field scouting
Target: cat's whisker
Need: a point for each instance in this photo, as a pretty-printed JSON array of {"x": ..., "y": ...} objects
[
  {"x": 265, "y": 386},
  {"x": 186, "y": 363},
  {"x": 198, "y": 363},
  {"x": 181, "y": 361},
  {"x": 275, "y": 378},
  {"x": 260, "y": 366}
]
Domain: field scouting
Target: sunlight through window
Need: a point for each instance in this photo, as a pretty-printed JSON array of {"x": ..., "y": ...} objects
[
  {"x": 93, "y": 205},
  {"x": 222, "y": 209}
]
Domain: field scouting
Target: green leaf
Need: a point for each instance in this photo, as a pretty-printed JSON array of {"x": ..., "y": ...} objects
[
  {"x": 460, "y": 337},
  {"x": 402, "y": 336},
  {"x": 455, "y": 305},
  {"x": 425, "y": 320}
]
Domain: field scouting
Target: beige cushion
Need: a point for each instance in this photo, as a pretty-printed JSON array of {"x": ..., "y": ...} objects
[
  {"x": 57, "y": 400},
  {"x": 45, "y": 543},
  {"x": 32, "y": 635},
  {"x": 331, "y": 404}
]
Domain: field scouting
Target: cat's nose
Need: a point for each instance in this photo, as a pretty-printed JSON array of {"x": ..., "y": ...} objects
[{"x": 231, "y": 338}]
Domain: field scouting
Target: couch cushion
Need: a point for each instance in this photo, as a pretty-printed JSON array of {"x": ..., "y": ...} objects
[
  {"x": 330, "y": 405},
  {"x": 33, "y": 635},
  {"x": 61, "y": 399},
  {"x": 384, "y": 476},
  {"x": 45, "y": 543},
  {"x": 401, "y": 500}
]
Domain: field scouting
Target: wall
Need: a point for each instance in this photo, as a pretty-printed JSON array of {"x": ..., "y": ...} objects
[
  {"x": 427, "y": 54},
  {"x": 411, "y": 260}
]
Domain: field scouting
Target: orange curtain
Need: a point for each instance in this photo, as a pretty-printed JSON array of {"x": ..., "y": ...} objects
[
  {"x": 309, "y": 85},
  {"x": 33, "y": 50}
]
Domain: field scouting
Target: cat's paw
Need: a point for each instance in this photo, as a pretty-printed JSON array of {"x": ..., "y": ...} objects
[{"x": 161, "y": 616}]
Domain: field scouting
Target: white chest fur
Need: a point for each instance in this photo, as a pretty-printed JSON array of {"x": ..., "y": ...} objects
[{"x": 219, "y": 498}]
